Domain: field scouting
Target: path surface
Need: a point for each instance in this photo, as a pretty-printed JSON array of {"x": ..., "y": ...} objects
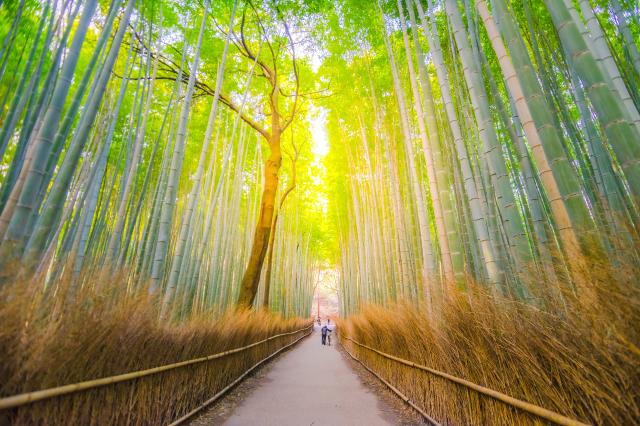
[{"x": 311, "y": 385}]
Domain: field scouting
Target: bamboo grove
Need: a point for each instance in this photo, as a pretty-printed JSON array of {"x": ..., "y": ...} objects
[
  {"x": 136, "y": 140},
  {"x": 490, "y": 141},
  {"x": 472, "y": 141},
  {"x": 180, "y": 177}
]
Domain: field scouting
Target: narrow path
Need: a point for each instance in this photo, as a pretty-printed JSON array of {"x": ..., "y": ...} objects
[{"x": 310, "y": 385}]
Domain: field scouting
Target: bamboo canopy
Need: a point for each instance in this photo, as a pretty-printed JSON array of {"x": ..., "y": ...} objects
[{"x": 189, "y": 162}]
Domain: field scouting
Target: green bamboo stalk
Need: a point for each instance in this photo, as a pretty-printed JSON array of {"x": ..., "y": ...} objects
[
  {"x": 168, "y": 205},
  {"x": 622, "y": 134},
  {"x": 46, "y": 220},
  {"x": 13, "y": 241}
]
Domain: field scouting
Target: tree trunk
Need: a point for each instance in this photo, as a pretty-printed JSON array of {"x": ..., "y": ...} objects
[
  {"x": 267, "y": 276},
  {"x": 251, "y": 278}
]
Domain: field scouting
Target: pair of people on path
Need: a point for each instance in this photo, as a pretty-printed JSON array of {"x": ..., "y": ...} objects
[{"x": 324, "y": 331}]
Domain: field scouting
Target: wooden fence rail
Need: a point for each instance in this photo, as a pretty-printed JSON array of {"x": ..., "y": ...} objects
[
  {"x": 30, "y": 397},
  {"x": 543, "y": 413},
  {"x": 218, "y": 395}
]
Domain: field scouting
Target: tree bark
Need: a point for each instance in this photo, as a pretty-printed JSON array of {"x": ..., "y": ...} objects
[{"x": 251, "y": 278}]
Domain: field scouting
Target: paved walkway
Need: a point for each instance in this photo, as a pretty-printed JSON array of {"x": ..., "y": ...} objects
[{"x": 311, "y": 385}]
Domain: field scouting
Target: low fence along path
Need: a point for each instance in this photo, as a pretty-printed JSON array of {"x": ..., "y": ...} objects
[{"x": 311, "y": 385}]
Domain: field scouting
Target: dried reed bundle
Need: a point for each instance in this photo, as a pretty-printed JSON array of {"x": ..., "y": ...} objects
[
  {"x": 579, "y": 355},
  {"x": 49, "y": 339}
]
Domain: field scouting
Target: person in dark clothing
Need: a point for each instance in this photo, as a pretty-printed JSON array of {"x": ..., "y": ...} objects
[{"x": 324, "y": 330}]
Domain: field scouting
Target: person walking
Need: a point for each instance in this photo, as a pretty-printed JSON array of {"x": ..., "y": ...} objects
[
  {"x": 323, "y": 331},
  {"x": 329, "y": 330}
]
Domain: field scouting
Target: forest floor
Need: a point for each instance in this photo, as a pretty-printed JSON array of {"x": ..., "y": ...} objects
[{"x": 310, "y": 385}]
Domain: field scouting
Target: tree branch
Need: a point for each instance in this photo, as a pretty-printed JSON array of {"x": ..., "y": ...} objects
[{"x": 229, "y": 103}]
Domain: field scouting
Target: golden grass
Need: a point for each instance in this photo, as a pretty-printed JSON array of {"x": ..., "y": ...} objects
[
  {"x": 579, "y": 356},
  {"x": 46, "y": 343}
]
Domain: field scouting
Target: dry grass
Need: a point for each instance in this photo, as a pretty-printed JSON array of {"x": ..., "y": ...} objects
[
  {"x": 46, "y": 343},
  {"x": 579, "y": 356}
]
